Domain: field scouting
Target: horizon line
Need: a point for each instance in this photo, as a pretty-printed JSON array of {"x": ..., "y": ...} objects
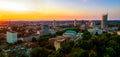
[{"x": 56, "y": 20}]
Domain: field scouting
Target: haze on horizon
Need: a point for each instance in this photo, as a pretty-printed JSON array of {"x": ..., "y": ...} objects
[{"x": 58, "y": 9}]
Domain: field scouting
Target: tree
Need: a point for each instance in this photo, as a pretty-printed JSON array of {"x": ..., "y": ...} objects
[
  {"x": 50, "y": 47},
  {"x": 66, "y": 49},
  {"x": 0, "y": 49},
  {"x": 74, "y": 54},
  {"x": 84, "y": 54},
  {"x": 23, "y": 55},
  {"x": 117, "y": 49},
  {"x": 112, "y": 43},
  {"x": 39, "y": 52},
  {"x": 34, "y": 39},
  {"x": 103, "y": 39},
  {"x": 60, "y": 32},
  {"x": 71, "y": 43},
  {"x": 119, "y": 28},
  {"x": 117, "y": 38},
  {"x": 84, "y": 44},
  {"x": 2, "y": 53},
  {"x": 79, "y": 53},
  {"x": 19, "y": 41},
  {"x": 86, "y": 35},
  {"x": 99, "y": 45},
  {"x": 107, "y": 35},
  {"x": 95, "y": 40},
  {"x": 107, "y": 55},
  {"x": 93, "y": 55},
  {"x": 110, "y": 51},
  {"x": 57, "y": 53}
]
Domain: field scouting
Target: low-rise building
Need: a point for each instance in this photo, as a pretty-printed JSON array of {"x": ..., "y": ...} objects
[
  {"x": 118, "y": 32},
  {"x": 53, "y": 31},
  {"x": 79, "y": 36},
  {"x": 95, "y": 30},
  {"x": 58, "y": 42},
  {"x": 70, "y": 33}
]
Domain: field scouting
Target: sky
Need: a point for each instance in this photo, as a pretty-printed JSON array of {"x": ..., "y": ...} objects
[{"x": 59, "y": 9}]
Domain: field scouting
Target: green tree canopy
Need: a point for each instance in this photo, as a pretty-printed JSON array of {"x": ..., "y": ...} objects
[
  {"x": 39, "y": 52},
  {"x": 110, "y": 51},
  {"x": 34, "y": 39}
]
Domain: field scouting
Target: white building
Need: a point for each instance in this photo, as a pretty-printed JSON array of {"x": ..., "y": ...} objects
[
  {"x": 82, "y": 27},
  {"x": 53, "y": 31},
  {"x": 38, "y": 32},
  {"x": 11, "y": 37},
  {"x": 95, "y": 30}
]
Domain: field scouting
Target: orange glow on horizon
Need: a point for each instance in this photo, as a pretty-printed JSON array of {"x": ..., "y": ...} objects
[
  {"x": 16, "y": 10},
  {"x": 44, "y": 15}
]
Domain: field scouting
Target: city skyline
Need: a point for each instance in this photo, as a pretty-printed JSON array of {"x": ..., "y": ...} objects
[{"x": 59, "y": 9}]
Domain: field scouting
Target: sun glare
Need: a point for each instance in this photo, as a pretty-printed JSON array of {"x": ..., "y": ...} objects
[{"x": 13, "y": 6}]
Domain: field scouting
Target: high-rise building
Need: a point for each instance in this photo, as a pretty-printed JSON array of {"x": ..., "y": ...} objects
[
  {"x": 90, "y": 23},
  {"x": 104, "y": 21},
  {"x": 46, "y": 29},
  {"x": 11, "y": 37},
  {"x": 75, "y": 22},
  {"x": 54, "y": 24}
]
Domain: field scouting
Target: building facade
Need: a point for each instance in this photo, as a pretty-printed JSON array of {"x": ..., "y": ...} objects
[
  {"x": 75, "y": 22},
  {"x": 104, "y": 21},
  {"x": 11, "y": 37},
  {"x": 46, "y": 29}
]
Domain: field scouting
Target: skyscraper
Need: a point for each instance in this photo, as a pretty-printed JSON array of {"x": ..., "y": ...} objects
[
  {"x": 54, "y": 24},
  {"x": 104, "y": 21}
]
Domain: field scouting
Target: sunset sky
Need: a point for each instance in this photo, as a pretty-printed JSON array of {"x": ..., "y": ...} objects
[{"x": 58, "y": 9}]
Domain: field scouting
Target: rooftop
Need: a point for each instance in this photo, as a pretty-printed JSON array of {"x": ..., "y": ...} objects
[{"x": 71, "y": 32}]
